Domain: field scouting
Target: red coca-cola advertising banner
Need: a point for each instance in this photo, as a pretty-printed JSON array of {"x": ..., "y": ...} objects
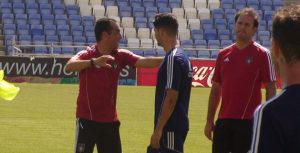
[{"x": 203, "y": 73}]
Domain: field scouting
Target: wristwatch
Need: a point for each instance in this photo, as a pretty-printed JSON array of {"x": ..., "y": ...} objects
[{"x": 92, "y": 60}]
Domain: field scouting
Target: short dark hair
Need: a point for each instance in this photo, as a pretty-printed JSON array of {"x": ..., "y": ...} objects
[
  {"x": 103, "y": 25},
  {"x": 285, "y": 31},
  {"x": 167, "y": 21},
  {"x": 247, "y": 11}
]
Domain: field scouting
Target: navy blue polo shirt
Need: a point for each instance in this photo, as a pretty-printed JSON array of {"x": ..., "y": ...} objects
[
  {"x": 174, "y": 73},
  {"x": 277, "y": 123}
]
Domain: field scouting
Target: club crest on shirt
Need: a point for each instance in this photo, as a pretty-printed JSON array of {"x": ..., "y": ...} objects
[
  {"x": 115, "y": 65},
  {"x": 249, "y": 60}
]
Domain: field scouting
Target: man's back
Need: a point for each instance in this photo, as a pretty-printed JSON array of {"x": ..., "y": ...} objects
[{"x": 277, "y": 123}]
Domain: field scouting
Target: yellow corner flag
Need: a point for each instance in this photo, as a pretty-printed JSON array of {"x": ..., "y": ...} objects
[{"x": 7, "y": 90}]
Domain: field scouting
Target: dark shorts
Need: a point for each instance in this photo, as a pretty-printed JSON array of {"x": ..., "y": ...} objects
[
  {"x": 171, "y": 142},
  {"x": 105, "y": 135},
  {"x": 232, "y": 136}
]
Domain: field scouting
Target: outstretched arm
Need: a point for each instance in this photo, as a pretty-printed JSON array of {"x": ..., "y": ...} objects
[
  {"x": 75, "y": 64},
  {"x": 148, "y": 62}
]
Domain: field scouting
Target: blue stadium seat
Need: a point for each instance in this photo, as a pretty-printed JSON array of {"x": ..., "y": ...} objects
[
  {"x": 135, "y": 3},
  {"x": 149, "y": 52},
  {"x": 61, "y": 19},
  {"x": 229, "y": 13},
  {"x": 16, "y": 1},
  {"x": 162, "y": 3},
  {"x": 122, "y": 3},
  {"x": 21, "y": 19},
  {"x": 203, "y": 54},
  {"x": 56, "y": 50},
  {"x": 25, "y": 40},
  {"x": 50, "y": 30},
  {"x": 19, "y": 8},
  {"x": 34, "y": 19},
  {"x": 187, "y": 43},
  {"x": 277, "y": 4},
  {"x": 68, "y": 50},
  {"x": 29, "y": 1},
  {"x": 138, "y": 52},
  {"x": 141, "y": 22},
  {"x": 75, "y": 20},
  {"x": 43, "y": 1},
  {"x": 151, "y": 12},
  {"x": 239, "y": 4},
  {"x": 225, "y": 43},
  {"x": 123, "y": 42},
  {"x": 39, "y": 40},
  {"x": 224, "y": 34},
  {"x": 40, "y": 50},
  {"x": 267, "y": 43},
  {"x": 36, "y": 29},
  {"x": 9, "y": 38},
  {"x": 66, "y": 40},
  {"x": 8, "y": 18},
  {"x": 266, "y": 5},
  {"x": 164, "y": 10},
  {"x": 48, "y": 19},
  {"x": 91, "y": 40},
  {"x": 23, "y": 29},
  {"x": 263, "y": 35},
  {"x": 148, "y": 3},
  {"x": 253, "y": 3},
  {"x": 73, "y": 9},
  {"x": 207, "y": 24},
  {"x": 220, "y": 24},
  {"x": 63, "y": 30},
  {"x": 125, "y": 11},
  {"x": 210, "y": 34},
  {"x": 89, "y": 31},
  {"x": 88, "y": 20},
  {"x": 214, "y": 54},
  {"x": 58, "y": 9},
  {"x": 6, "y": 7},
  {"x": 217, "y": 13},
  {"x": 79, "y": 40},
  {"x": 227, "y": 4},
  {"x": 213, "y": 44},
  {"x": 52, "y": 40},
  {"x": 138, "y": 11},
  {"x": 197, "y": 34},
  {"x": 77, "y": 30},
  {"x": 268, "y": 15},
  {"x": 32, "y": 8},
  {"x": 9, "y": 29},
  {"x": 160, "y": 53},
  {"x": 109, "y": 3},
  {"x": 191, "y": 53},
  {"x": 175, "y": 3},
  {"x": 45, "y": 8},
  {"x": 200, "y": 43}
]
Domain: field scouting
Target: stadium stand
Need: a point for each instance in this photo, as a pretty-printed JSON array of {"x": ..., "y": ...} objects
[{"x": 205, "y": 25}]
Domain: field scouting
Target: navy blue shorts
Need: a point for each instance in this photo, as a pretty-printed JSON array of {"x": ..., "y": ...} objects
[{"x": 171, "y": 142}]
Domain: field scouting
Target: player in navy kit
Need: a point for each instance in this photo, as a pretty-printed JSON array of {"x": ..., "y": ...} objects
[
  {"x": 277, "y": 122},
  {"x": 173, "y": 89}
]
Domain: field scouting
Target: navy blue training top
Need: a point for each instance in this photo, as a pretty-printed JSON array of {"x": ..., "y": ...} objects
[
  {"x": 277, "y": 123},
  {"x": 175, "y": 73}
]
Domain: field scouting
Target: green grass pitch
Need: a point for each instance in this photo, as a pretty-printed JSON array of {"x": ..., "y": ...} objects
[{"x": 42, "y": 119}]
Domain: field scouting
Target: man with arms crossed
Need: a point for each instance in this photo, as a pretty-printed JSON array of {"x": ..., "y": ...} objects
[
  {"x": 277, "y": 122},
  {"x": 173, "y": 87},
  {"x": 99, "y": 67},
  {"x": 240, "y": 70}
]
